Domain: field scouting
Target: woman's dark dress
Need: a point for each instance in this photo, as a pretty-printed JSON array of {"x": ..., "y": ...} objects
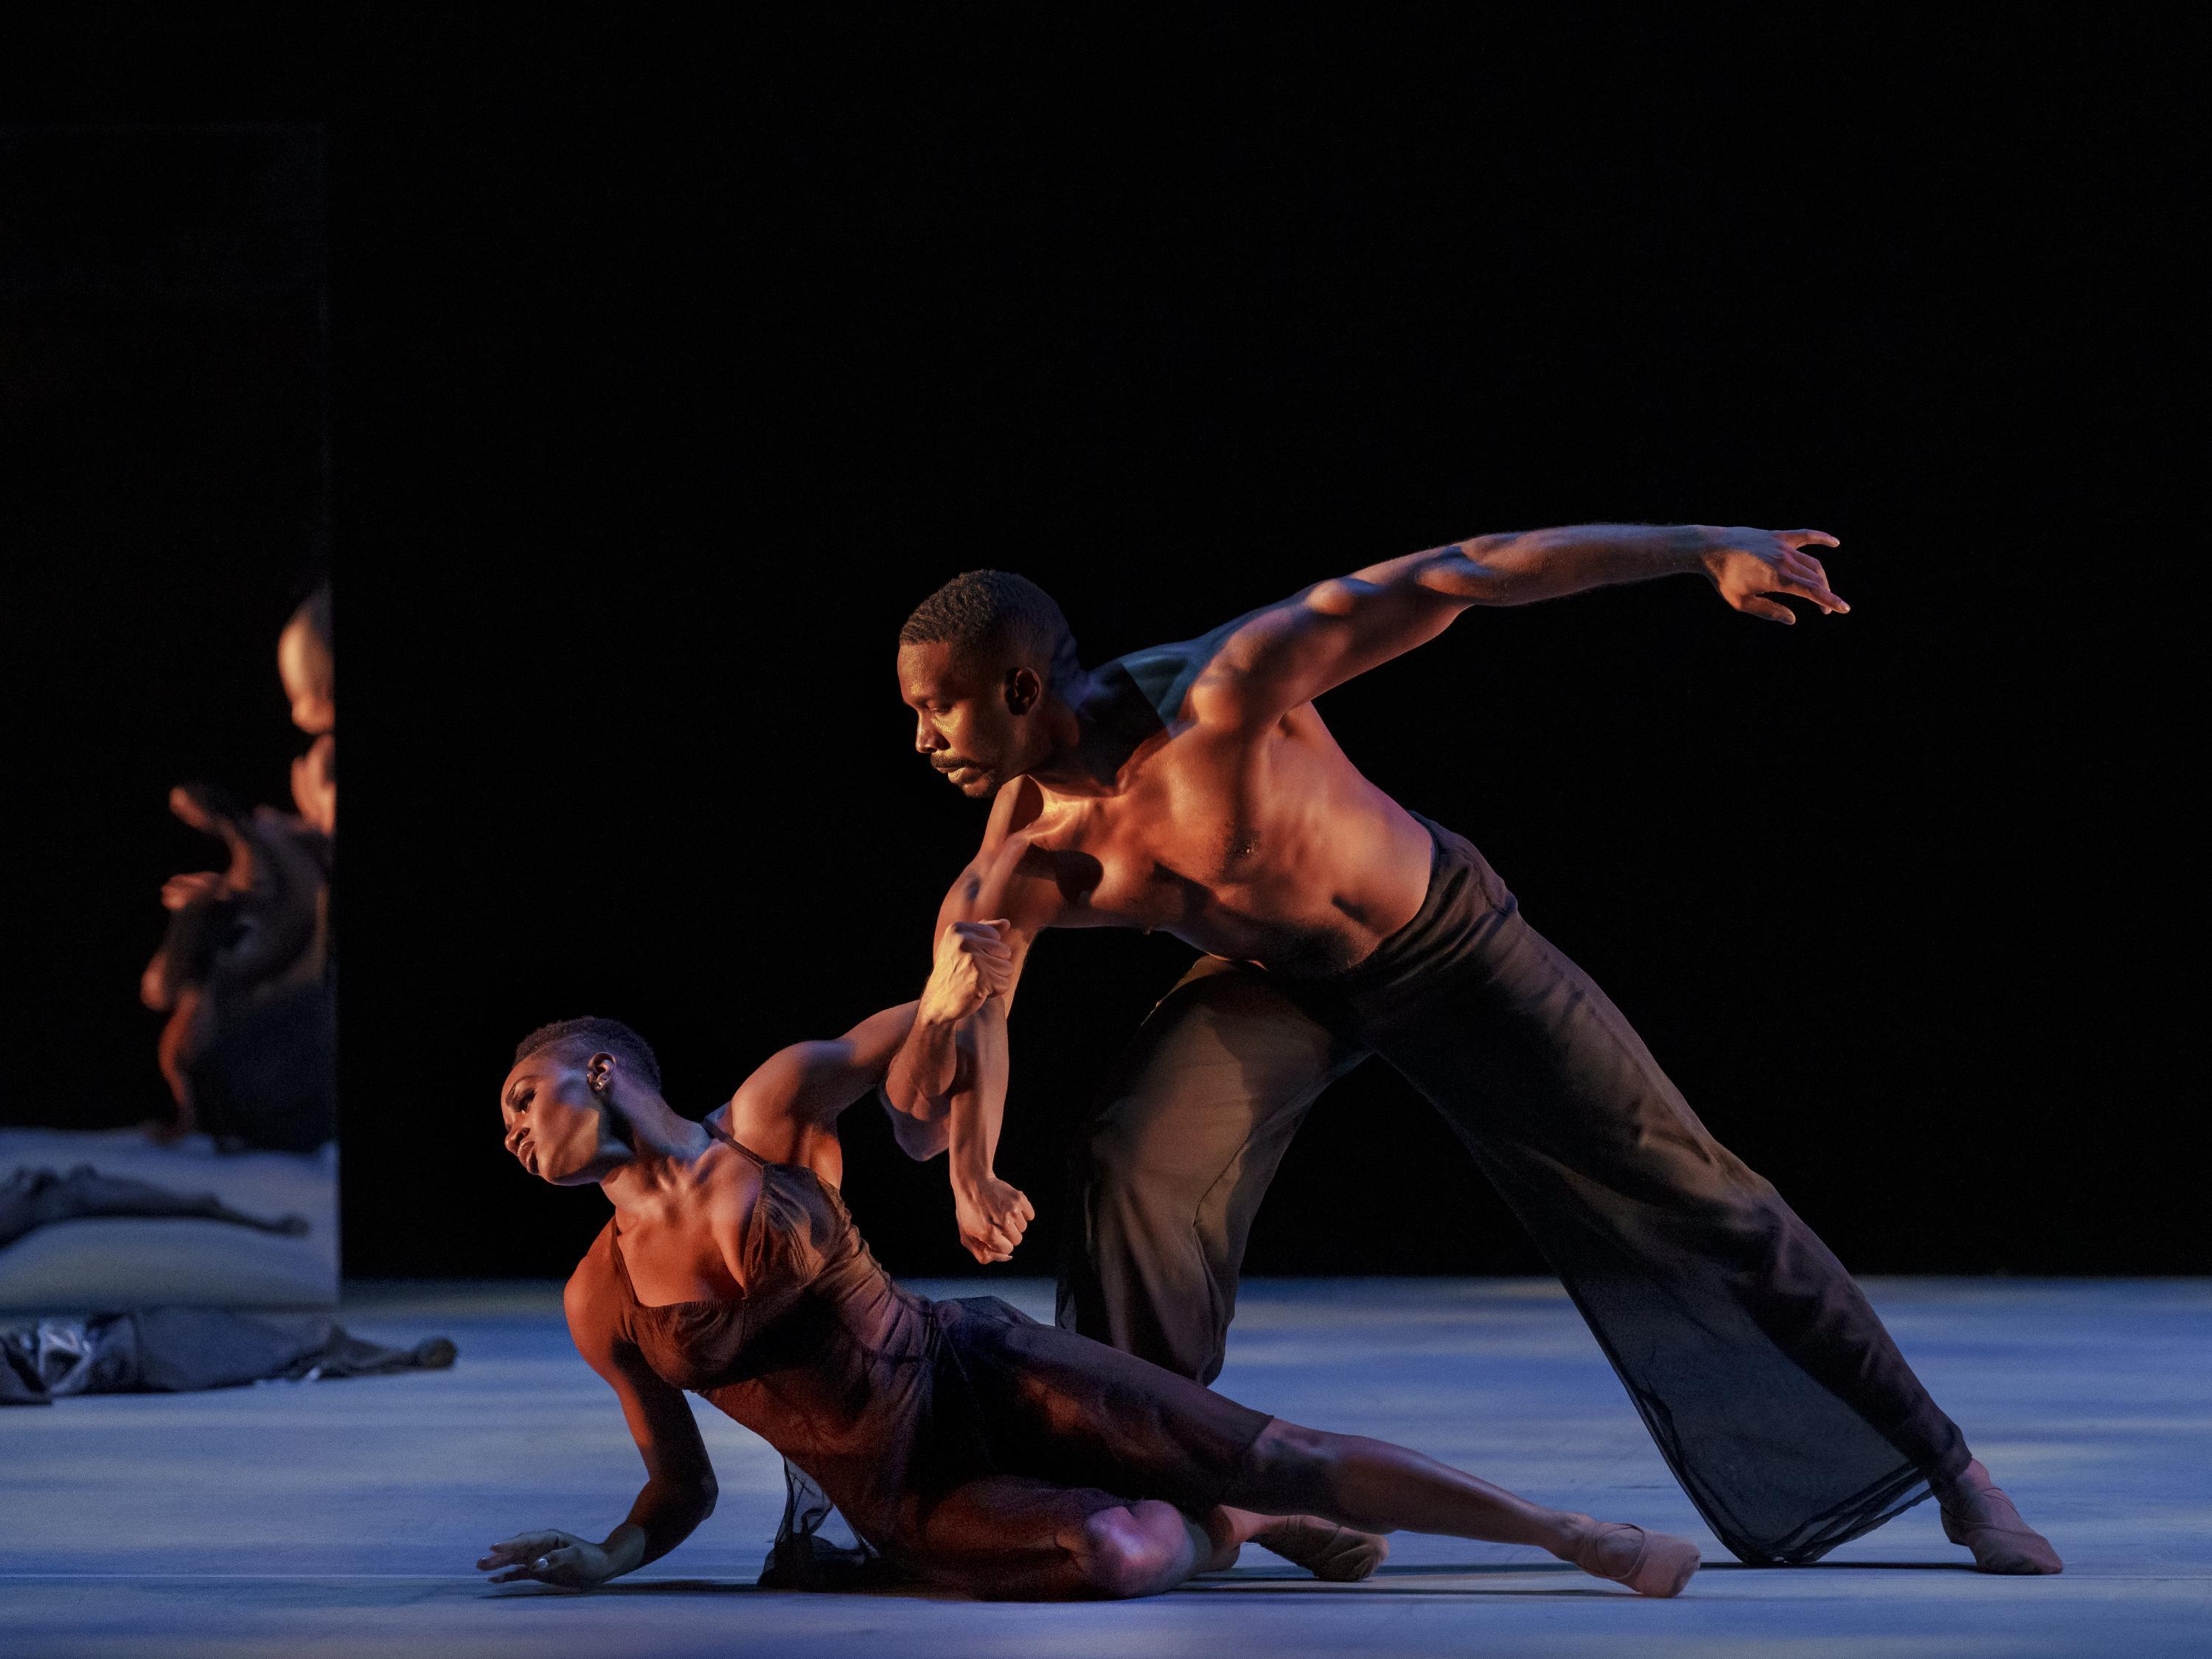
[{"x": 961, "y": 1439}]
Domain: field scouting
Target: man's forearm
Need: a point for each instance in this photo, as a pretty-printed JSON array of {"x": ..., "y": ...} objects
[
  {"x": 1523, "y": 566},
  {"x": 979, "y": 1104}
]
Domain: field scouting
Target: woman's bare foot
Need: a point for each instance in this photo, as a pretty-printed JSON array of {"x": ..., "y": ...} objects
[
  {"x": 1977, "y": 1514},
  {"x": 1323, "y": 1548},
  {"x": 1649, "y": 1563}
]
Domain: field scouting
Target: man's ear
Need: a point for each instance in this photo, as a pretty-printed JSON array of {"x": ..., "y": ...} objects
[{"x": 1024, "y": 690}]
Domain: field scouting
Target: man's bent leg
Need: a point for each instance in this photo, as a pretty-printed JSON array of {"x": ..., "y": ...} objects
[
  {"x": 1768, "y": 1382},
  {"x": 1165, "y": 1181}
]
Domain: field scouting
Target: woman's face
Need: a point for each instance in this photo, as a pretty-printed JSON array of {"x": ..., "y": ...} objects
[{"x": 557, "y": 1127}]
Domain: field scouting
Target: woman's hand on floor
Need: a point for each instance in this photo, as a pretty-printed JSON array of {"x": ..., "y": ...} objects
[{"x": 548, "y": 1558}]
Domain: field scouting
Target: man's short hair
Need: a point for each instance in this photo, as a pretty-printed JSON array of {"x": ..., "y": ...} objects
[
  {"x": 611, "y": 1035},
  {"x": 981, "y": 611}
]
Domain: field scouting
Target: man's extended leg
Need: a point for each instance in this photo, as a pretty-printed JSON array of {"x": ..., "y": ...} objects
[
  {"x": 1770, "y": 1384},
  {"x": 1165, "y": 1181}
]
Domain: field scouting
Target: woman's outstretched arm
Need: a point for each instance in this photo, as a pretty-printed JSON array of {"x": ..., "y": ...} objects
[
  {"x": 679, "y": 1489},
  {"x": 787, "y": 1109}
]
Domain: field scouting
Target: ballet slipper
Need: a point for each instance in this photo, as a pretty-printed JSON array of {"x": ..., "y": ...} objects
[
  {"x": 1325, "y": 1549},
  {"x": 1977, "y": 1514},
  {"x": 1662, "y": 1566}
]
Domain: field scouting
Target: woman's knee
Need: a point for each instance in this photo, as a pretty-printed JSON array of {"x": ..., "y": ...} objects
[{"x": 1121, "y": 1553}]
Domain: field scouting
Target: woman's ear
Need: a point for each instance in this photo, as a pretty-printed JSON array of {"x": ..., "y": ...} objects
[
  {"x": 1023, "y": 690},
  {"x": 600, "y": 1073}
]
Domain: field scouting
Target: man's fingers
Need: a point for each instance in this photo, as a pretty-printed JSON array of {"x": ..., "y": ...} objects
[
  {"x": 1028, "y": 1210},
  {"x": 987, "y": 1243},
  {"x": 1752, "y": 606},
  {"x": 1799, "y": 538},
  {"x": 1813, "y": 591}
]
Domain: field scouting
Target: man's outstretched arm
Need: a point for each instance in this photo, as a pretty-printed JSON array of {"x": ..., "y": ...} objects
[{"x": 1274, "y": 659}]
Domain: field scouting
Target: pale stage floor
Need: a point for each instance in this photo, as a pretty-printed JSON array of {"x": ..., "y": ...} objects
[{"x": 342, "y": 1518}]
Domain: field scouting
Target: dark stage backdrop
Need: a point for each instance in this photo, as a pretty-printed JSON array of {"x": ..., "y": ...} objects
[
  {"x": 162, "y": 508},
  {"x": 672, "y": 372}
]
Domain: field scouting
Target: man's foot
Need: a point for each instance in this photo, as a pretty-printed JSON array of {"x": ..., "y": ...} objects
[
  {"x": 1323, "y": 1548},
  {"x": 1977, "y": 1514},
  {"x": 1649, "y": 1563}
]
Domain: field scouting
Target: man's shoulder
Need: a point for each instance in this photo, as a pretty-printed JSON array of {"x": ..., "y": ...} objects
[
  {"x": 1161, "y": 675},
  {"x": 1013, "y": 809}
]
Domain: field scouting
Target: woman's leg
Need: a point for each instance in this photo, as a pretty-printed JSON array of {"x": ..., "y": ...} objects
[
  {"x": 1375, "y": 1486},
  {"x": 1341, "y": 1554},
  {"x": 1011, "y": 1538}
]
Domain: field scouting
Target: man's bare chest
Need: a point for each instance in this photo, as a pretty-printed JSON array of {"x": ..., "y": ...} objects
[{"x": 1151, "y": 857}]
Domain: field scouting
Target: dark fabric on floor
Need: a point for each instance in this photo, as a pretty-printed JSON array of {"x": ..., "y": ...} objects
[
  {"x": 37, "y": 1198},
  {"x": 1770, "y": 1385},
  {"x": 180, "y": 1350}
]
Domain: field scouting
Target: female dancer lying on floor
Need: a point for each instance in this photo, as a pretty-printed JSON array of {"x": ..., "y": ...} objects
[{"x": 972, "y": 1447}]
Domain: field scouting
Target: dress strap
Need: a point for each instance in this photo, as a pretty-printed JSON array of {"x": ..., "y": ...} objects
[{"x": 731, "y": 1140}]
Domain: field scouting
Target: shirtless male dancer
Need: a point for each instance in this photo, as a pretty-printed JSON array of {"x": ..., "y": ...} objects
[{"x": 1193, "y": 787}]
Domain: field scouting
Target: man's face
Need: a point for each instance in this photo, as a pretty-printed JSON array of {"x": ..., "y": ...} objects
[{"x": 963, "y": 725}]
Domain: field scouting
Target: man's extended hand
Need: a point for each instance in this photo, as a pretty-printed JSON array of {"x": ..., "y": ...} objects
[
  {"x": 973, "y": 965},
  {"x": 992, "y": 1217},
  {"x": 548, "y": 1557},
  {"x": 1745, "y": 565}
]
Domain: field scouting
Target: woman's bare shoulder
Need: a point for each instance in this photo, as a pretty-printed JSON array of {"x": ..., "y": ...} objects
[{"x": 592, "y": 1297}]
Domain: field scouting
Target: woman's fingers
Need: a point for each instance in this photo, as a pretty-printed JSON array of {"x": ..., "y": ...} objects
[
  {"x": 558, "y": 1567},
  {"x": 1752, "y": 605},
  {"x": 522, "y": 1548},
  {"x": 1799, "y": 538}
]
